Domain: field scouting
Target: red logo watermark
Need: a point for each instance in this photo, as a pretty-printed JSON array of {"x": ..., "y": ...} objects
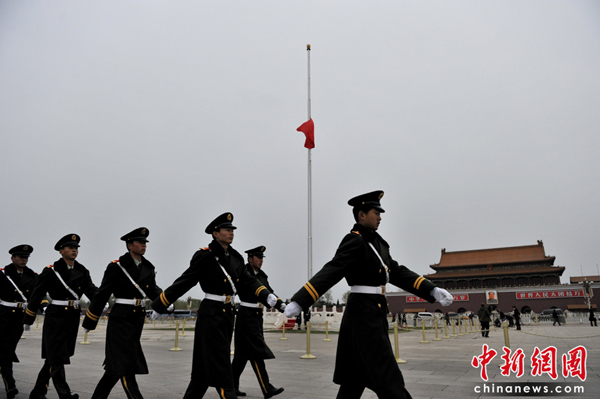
[{"x": 543, "y": 361}]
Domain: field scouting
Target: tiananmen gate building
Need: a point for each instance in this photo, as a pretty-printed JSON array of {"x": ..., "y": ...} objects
[{"x": 522, "y": 276}]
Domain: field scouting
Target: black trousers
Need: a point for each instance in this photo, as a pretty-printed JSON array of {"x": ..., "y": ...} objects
[
  {"x": 108, "y": 381},
  {"x": 351, "y": 391},
  {"x": 6, "y": 368},
  {"x": 196, "y": 390},
  {"x": 485, "y": 328},
  {"x": 258, "y": 365},
  {"x": 59, "y": 380}
]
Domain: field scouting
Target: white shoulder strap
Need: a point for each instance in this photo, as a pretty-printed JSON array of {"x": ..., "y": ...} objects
[
  {"x": 226, "y": 275},
  {"x": 65, "y": 284},
  {"x": 387, "y": 272},
  {"x": 136, "y": 285},
  {"x": 17, "y": 288}
]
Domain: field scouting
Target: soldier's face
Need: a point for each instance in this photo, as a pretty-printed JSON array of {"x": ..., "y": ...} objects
[
  {"x": 255, "y": 261},
  {"x": 19, "y": 261},
  {"x": 137, "y": 248},
  {"x": 224, "y": 236},
  {"x": 69, "y": 253},
  {"x": 370, "y": 219}
]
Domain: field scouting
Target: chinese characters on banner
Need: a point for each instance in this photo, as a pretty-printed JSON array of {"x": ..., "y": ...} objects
[
  {"x": 550, "y": 294},
  {"x": 457, "y": 298},
  {"x": 542, "y": 362}
]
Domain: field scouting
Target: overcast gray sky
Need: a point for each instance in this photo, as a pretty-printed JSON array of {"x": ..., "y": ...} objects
[{"x": 479, "y": 120}]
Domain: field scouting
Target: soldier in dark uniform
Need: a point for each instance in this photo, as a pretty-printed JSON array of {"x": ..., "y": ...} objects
[
  {"x": 221, "y": 272},
  {"x": 62, "y": 315},
  {"x": 250, "y": 342},
  {"x": 16, "y": 285},
  {"x": 131, "y": 279},
  {"x": 364, "y": 354}
]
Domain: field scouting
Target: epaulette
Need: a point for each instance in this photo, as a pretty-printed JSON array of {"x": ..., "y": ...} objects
[
  {"x": 1, "y": 269},
  {"x": 49, "y": 266},
  {"x": 115, "y": 261},
  {"x": 356, "y": 232},
  {"x": 205, "y": 249}
]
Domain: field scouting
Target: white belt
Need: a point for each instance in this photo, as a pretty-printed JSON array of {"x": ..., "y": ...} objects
[
  {"x": 220, "y": 298},
  {"x": 251, "y": 305},
  {"x": 14, "y": 304},
  {"x": 134, "y": 302},
  {"x": 367, "y": 289},
  {"x": 72, "y": 303}
]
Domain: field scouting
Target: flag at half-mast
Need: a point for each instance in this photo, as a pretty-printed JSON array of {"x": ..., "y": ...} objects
[{"x": 308, "y": 128}]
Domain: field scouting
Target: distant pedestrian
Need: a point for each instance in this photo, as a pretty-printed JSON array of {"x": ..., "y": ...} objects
[
  {"x": 555, "y": 317},
  {"x": 447, "y": 319},
  {"x": 484, "y": 319},
  {"x": 517, "y": 316},
  {"x": 306, "y": 317},
  {"x": 593, "y": 321}
]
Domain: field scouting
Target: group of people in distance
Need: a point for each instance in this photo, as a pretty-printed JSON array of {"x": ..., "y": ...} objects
[{"x": 364, "y": 356}]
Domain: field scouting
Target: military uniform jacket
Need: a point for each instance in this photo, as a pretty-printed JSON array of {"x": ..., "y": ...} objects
[
  {"x": 123, "y": 349},
  {"x": 11, "y": 319},
  {"x": 61, "y": 322},
  {"x": 249, "y": 339},
  {"x": 214, "y": 324},
  {"x": 364, "y": 353}
]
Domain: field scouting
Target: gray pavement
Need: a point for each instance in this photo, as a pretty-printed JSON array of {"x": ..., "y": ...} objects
[{"x": 439, "y": 369}]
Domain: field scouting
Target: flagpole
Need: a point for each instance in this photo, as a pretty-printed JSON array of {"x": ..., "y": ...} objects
[{"x": 309, "y": 179}]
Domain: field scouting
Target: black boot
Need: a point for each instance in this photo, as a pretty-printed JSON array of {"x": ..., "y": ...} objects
[
  {"x": 273, "y": 391},
  {"x": 239, "y": 393}
]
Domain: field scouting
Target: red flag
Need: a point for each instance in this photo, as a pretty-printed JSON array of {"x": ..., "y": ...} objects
[{"x": 308, "y": 128}]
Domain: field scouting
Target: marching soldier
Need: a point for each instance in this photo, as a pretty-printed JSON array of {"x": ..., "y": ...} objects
[
  {"x": 65, "y": 281},
  {"x": 364, "y": 354},
  {"x": 16, "y": 285},
  {"x": 221, "y": 272},
  {"x": 250, "y": 342},
  {"x": 131, "y": 279}
]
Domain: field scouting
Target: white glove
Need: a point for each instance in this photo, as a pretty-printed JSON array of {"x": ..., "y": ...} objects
[
  {"x": 442, "y": 296},
  {"x": 170, "y": 308},
  {"x": 272, "y": 300},
  {"x": 154, "y": 315},
  {"x": 293, "y": 309},
  {"x": 105, "y": 307},
  {"x": 26, "y": 327},
  {"x": 85, "y": 330}
]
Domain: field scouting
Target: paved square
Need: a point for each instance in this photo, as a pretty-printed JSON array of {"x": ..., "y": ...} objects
[{"x": 439, "y": 369}]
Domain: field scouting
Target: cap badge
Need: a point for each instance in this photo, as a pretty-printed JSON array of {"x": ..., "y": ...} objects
[
  {"x": 25, "y": 248},
  {"x": 144, "y": 231},
  {"x": 380, "y": 195},
  {"x": 229, "y": 216},
  {"x": 262, "y": 249},
  {"x": 73, "y": 237}
]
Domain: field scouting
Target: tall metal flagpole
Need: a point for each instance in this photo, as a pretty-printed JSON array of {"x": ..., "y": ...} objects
[{"x": 309, "y": 179}]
